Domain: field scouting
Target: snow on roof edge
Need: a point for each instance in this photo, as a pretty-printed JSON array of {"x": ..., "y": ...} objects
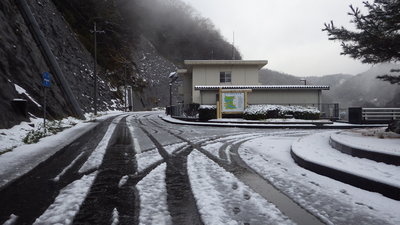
[{"x": 215, "y": 87}]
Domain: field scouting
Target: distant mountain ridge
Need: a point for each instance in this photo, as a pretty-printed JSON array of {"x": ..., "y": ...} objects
[{"x": 362, "y": 90}]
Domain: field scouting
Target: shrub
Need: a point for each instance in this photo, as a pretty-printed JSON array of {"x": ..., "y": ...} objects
[
  {"x": 34, "y": 136},
  {"x": 52, "y": 127},
  {"x": 207, "y": 112},
  {"x": 394, "y": 126},
  {"x": 261, "y": 112}
]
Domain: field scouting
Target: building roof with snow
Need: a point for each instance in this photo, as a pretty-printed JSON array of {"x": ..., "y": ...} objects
[{"x": 261, "y": 87}]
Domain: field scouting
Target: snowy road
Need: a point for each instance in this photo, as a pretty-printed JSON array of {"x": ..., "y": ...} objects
[{"x": 138, "y": 169}]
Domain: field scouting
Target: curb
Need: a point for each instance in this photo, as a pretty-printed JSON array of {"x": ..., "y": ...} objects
[
  {"x": 361, "y": 153},
  {"x": 264, "y": 126},
  {"x": 360, "y": 182}
]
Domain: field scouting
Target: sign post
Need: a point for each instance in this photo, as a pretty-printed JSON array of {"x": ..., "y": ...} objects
[{"x": 46, "y": 84}]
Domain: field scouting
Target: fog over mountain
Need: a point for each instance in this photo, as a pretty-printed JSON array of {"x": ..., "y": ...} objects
[{"x": 348, "y": 90}]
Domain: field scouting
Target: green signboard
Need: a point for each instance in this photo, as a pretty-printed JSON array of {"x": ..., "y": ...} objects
[{"x": 233, "y": 102}]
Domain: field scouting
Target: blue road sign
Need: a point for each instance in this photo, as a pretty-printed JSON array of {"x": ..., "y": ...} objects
[{"x": 46, "y": 79}]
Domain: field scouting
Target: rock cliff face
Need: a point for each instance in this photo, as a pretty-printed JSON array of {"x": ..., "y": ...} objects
[
  {"x": 22, "y": 65},
  {"x": 153, "y": 70}
]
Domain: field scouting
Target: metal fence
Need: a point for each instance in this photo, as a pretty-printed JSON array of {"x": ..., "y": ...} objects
[
  {"x": 190, "y": 111},
  {"x": 361, "y": 115}
]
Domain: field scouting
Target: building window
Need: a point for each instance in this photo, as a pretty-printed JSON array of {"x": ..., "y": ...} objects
[{"x": 225, "y": 77}]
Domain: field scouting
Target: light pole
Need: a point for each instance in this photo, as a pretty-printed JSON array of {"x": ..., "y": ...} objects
[
  {"x": 172, "y": 76},
  {"x": 170, "y": 94},
  {"x": 125, "y": 94},
  {"x": 95, "y": 69}
]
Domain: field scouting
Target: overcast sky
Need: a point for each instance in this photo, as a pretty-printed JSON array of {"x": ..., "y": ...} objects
[{"x": 287, "y": 33}]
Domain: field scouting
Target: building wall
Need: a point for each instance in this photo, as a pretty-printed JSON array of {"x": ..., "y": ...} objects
[
  {"x": 284, "y": 97},
  {"x": 209, "y": 97},
  {"x": 186, "y": 90},
  {"x": 209, "y": 75},
  {"x": 270, "y": 97}
]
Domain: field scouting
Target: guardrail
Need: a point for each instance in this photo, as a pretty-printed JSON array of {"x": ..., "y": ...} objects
[{"x": 373, "y": 115}]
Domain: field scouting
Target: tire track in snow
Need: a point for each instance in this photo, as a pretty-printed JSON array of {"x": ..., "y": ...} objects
[
  {"x": 246, "y": 175},
  {"x": 180, "y": 199},
  {"x": 30, "y": 195},
  {"x": 105, "y": 194}
]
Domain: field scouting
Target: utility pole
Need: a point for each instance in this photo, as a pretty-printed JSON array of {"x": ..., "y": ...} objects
[
  {"x": 95, "y": 31},
  {"x": 95, "y": 70},
  {"x": 170, "y": 94},
  {"x": 125, "y": 94}
]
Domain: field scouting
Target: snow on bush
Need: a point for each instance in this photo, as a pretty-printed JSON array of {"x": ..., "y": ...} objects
[
  {"x": 259, "y": 112},
  {"x": 208, "y": 107}
]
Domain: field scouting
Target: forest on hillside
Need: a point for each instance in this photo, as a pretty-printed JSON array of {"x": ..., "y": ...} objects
[{"x": 175, "y": 29}]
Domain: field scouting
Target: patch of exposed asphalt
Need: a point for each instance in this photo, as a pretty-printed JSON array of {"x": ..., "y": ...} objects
[
  {"x": 181, "y": 202},
  {"x": 30, "y": 195},
  {"x": 105, "y": 194}
]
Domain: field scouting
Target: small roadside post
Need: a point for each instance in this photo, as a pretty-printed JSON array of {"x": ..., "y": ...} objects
[{"x": 46, "y": 84}]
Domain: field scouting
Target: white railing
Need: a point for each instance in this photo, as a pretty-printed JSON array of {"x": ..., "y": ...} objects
[{"x": 380, "y": 113}]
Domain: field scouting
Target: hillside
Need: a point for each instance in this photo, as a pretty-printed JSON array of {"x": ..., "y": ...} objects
[
  {"x": 347, "y": 90},
  {"x": 22, "y": 64},
  {"x": 365, "y": 90},
  {"x": 140, "y": 43},
  {"x": 270, "y": 77}
]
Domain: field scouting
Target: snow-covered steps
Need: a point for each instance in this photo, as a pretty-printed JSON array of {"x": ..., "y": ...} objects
[
  {"x": 379, "y": 149},
  {"x": 314, "y": 153}
]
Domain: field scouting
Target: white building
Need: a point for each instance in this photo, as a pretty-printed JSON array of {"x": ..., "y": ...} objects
[{"x": 203, "y": 78}]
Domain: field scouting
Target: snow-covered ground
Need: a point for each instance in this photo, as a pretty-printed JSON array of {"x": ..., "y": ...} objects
[
  {"x": 333, "y": 201},
  {"x": 96, "y": 158},
  {"x": 222, "y": 199},
  {"x": 214, "y": 146},
  {"x": 220, "y": 196},
  {"x": 20, "y": 160},
  {"x": 273, "y": 123},
  {"x": 68, "y": 202},
  {"x": 13, "y": 137},
  {"x": 375, "y": 143},
  {"x": 147, "y": 159},
  {"x": 174, "y": 148},
  {"x": 153, "y": 199},
  {"x": 316, "y": 148}
]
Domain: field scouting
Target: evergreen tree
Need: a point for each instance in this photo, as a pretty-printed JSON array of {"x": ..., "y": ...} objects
[{"x": 377, "y": 35}]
